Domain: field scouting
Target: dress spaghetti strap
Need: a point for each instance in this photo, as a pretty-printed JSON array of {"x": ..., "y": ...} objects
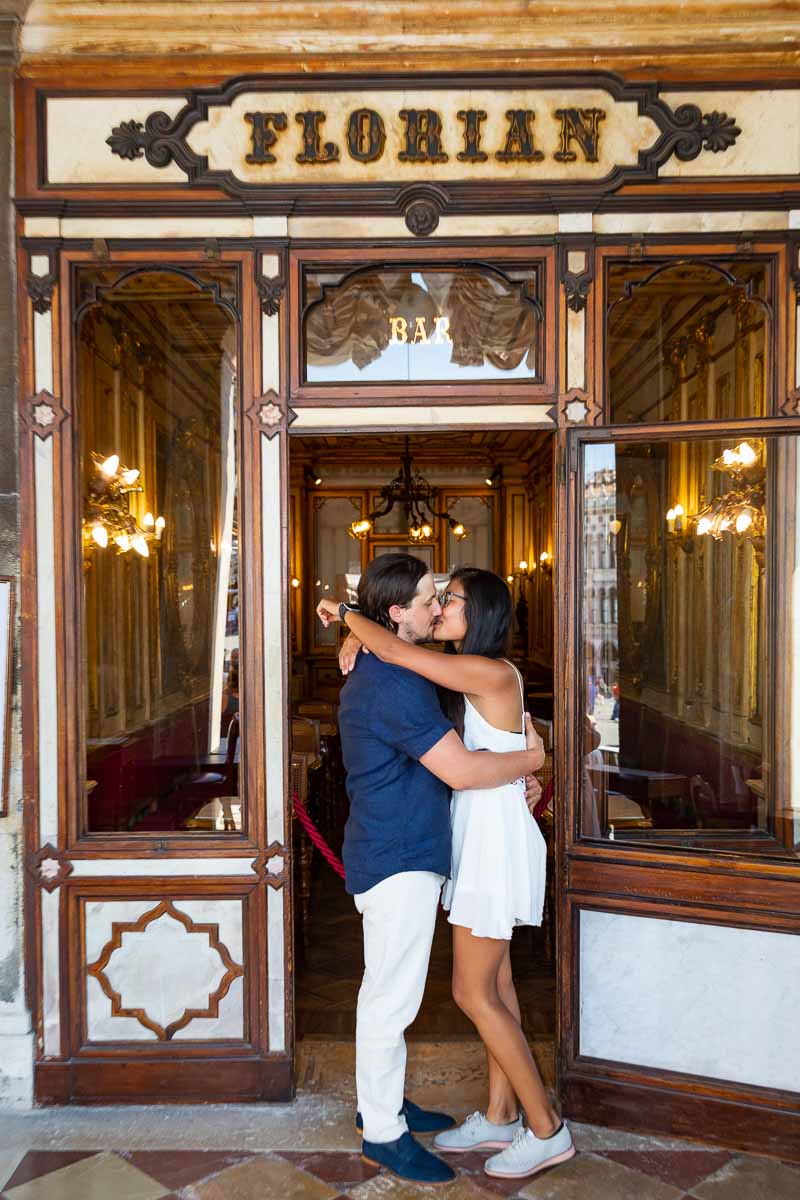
[{"x": 521, "y": 690}]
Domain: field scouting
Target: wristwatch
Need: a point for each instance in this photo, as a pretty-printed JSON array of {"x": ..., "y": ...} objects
[{"x": 346, "y": 608}]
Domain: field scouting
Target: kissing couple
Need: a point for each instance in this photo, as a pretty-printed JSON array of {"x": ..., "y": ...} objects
[{"x": 436, "y": 749}]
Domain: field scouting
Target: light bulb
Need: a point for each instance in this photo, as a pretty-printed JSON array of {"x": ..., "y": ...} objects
[
  {"x": 703, "y": 526},
  {"x": 148, "y": 520},
  {"x": 295, "y": 582},
  {"x": 544, "y": 557},
  {"x": 131, "y": 476},
  {"x": 509, "y": 578},
  {"x": 140, "y": 545},
  {"x": 679, "y": 510},
  {"x": 730, "y": 458},
  {"x": 488, "y": 481},
  {"x": 109, "y": 467},
  {"x": 744, "y": 521},
  {"x": 123, "y": 541},
  {"x": 523, "y": 566},
  {"x": 426, "y": 531},
  {"x": 160, "y": 523},
  {"x": 746, "y": 453},
  {"x": 670, "y": 516},
  {"x": 100, "y": 535},
  {"x": 615, "y": 525}
]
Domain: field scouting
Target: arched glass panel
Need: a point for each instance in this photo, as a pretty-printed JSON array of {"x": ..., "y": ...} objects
[
  {"x": 157, "y": 386},
  {"x": 688, "y": 341},
  {"x": 419, "y": 325}
]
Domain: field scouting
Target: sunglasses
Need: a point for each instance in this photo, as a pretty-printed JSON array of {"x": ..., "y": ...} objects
[{"x": 446, "y": 597}]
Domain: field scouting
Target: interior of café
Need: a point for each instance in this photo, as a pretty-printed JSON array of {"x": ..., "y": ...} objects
[{"x": 674, "y": 593}]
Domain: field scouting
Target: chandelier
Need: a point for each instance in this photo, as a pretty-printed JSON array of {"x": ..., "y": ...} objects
[
  {"x": 107, "y": 513},
  {"x": 411, "y": 492},
  {"x": 740, "y": 510}
]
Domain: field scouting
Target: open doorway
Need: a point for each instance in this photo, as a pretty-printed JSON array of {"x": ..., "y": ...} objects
[{"x": 493, "y": 493}]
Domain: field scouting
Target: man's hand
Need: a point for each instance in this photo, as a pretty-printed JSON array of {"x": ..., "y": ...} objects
[
  {"x": 534, "y": 742},
  {"x": 328, "y": 611},
  {"x": 349, "y": 653},
  {"x": 533, "y": 792}
]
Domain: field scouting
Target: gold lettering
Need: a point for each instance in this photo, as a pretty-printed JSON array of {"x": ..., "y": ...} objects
[
  {"x": 399, "y": 329},
  {"x": 419, "y": 331},
  {"x": 441, "y": 330},
  {"x": 262, "y": 137},
  {"x": 423, "y": 136},
  {"x": 579, "y": 125},
  {"x": 519, "y": 145}
]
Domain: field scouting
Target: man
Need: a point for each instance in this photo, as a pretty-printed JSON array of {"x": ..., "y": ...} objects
[{"x": 402, "y": 757}]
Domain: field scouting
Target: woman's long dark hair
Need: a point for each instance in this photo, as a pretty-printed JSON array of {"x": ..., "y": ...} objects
[{"x": 488, "y": 613}]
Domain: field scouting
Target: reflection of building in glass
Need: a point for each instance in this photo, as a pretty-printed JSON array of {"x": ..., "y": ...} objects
[{"x": 600, "y": 596}]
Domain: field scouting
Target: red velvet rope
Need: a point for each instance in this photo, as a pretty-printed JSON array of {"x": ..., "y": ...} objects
[{"x": 316, "y": 837}]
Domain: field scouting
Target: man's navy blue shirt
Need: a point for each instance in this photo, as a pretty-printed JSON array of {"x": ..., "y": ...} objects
[{"x": 399, "y": 812}]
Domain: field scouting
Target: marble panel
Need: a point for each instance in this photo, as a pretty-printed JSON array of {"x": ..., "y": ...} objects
[
  {"x": 163, "y": 969},
  {"x": 51, "y": 972},
  {"x": 704, "y": 999},
  {"x": 414, "y": 416},
  {"x": 574, "y": 222},
  {"x": 77, "y": 128},
  {"x": 275, "y": 969},
  {"x": 156, "y": 227},
  {"x": 690, "y": 222},
  {"x": 165, "y": 868},
  {"x": 769, "y": 143},
  {"x": 47, "y": 690},
  {"x": 42, "y": 227},
  {"x": 576, "y": 349}
]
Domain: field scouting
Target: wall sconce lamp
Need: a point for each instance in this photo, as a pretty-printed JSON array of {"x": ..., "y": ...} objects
[
  {"x": 107, "y": 513},
  {"x": 312, "y": 476},
  {"x": 295, "y": 582},
  {"x": 525, "y": 570},
  {"x": 494, "y": 478},
  {"x": 546, "y": 562}
]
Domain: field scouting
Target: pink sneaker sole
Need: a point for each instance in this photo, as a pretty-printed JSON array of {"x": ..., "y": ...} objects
[
  {"x": 471, "y": 1149},
  {"x": 550, "y": 1162}
]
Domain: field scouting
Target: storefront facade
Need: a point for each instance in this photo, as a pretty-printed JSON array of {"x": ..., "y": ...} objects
[{"x": 654, "y": 220}]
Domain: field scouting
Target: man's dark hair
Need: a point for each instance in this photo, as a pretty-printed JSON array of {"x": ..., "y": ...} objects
[{"x": 389, "y": 579}]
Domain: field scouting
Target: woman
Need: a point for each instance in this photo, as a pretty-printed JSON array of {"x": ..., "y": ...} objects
[{"x": 498, "y": 873}]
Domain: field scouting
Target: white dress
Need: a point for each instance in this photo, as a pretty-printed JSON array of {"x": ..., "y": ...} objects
[{"x": 497, "y": 878}]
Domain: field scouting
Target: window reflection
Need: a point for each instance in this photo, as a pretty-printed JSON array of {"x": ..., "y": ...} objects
[
  {"x": 157, "y": 380},
  {"x": 687, "y": 340},
  {"x": 676, "y": 630},
  {"x": 411, "y": 325}
]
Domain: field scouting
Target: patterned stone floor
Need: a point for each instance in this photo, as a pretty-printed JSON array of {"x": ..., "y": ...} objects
[{"x": 310, "y": 1149}]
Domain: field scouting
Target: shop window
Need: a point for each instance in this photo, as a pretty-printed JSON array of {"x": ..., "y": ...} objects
[
  {"x": 686, "y": 709},
  {"x": 157, "y": 384},
  {"x": 688, "y": 340},
  {"x": 404, "y": 325}
]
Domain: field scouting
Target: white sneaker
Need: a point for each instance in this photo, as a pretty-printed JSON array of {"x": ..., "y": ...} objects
[
  {"x": 477, "y": 1133},
  {"x": 528, "y": 1154}
]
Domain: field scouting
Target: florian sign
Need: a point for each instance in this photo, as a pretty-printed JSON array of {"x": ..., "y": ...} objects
[{"x": 253, "y": 133}]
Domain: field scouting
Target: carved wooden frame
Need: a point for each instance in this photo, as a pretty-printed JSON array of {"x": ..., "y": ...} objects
[{"x": 399, "y": 393}]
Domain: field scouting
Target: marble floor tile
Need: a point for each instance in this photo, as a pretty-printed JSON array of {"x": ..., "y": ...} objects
[
  {"x": 681, "y": 1168},
  {"x": 9, "y": 1161},
  {"x": 175, "y": 1169},
  {"x": 41, "y": 1162},
  {"x": 101, "y": 1177},
  {"x": 589, "y": 1175},
  {"x": 334, "y": 1167},
  {"x": 262, "y": 1178},
  {"x": 471, "y": 1165},
  {"x": 389, "y": 1187},
  {"x": 751, "y": 1179}
]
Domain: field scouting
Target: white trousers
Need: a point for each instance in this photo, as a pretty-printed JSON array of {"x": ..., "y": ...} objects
[{"x": 398, "y": 917}]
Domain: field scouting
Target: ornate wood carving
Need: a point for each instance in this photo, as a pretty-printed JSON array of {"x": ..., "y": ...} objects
[
  {"x": 49, "y": 867},
  {"x": 165, "y": 908},
  {"x": 42, "y": 414},
  {"x": 270, "y": 293},
  {"x": 422, "y": 217},
  {"x": 684, "y": 132},
  {"x": 40, "y": 290},
  {"x": 270, "y": 413},
  {"x": 272, "y": 865}
]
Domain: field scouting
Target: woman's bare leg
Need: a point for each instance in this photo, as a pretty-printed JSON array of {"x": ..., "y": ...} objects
[
  {"x": 476, "y": 965},
  {"x": 503, "y": 1106}
]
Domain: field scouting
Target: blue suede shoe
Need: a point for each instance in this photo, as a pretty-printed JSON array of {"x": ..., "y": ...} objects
[
  {"x": 418, "y": 1119},
  {"x": 408, "y": 1160}
]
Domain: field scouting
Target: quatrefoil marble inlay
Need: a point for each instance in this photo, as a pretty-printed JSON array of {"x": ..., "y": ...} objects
[{"x": 164, "y": 970}]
